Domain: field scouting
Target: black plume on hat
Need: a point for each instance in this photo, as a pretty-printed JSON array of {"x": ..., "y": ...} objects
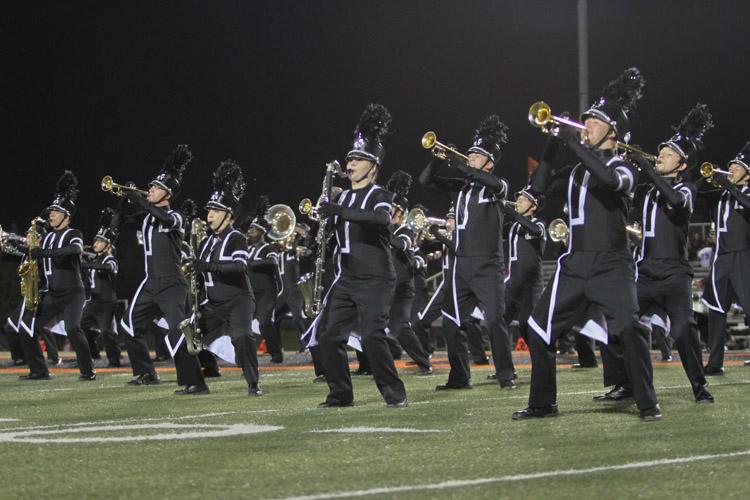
[
  {"x": 371, "y": 129},
  {"x": 399, "y": 184},
  {"x": 106, "y": 232},
  {"x": 170, "y": 176},
  {"x": 618, "y": 99},
  {"x": 688, "y": 138},
  {"x": 229, "y": 187},
  {"x": 489, "y": 137},
  {"x": 66, "y": 193},
  {"x": 189, "y": 210},
  {"x": 261, "y": 208}
]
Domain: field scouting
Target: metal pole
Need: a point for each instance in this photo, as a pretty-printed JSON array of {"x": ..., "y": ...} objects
[{"x": 583, "y": 56}]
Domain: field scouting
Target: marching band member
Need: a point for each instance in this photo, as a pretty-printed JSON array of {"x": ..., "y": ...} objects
[
  {"x": 362, "y": 292},
  {"x": 63, "y": 295},
  {"x": 222, "y": 261},
  {"x": 476, "y": 274},
  {"x": 101, "y": 273},
  {"x": 731, "y": 262},
  {"x": 263, "y": 258},
  {"x": 597, "y": 267},
  {"x": 163, "y": 292},
  {"x": 664, "y": 274},
  {"x": 402, "y": 242}
]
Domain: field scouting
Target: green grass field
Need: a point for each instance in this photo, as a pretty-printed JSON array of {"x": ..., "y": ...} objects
[{"x": 468, "y": 447}]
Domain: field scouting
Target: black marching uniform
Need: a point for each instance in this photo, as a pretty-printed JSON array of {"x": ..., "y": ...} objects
[
  {"x": 99, "y": 310},
  {"x": 596, "y": 268},
  {"x": 361, "y": 295},
  {"x": 263, "y": 261},
  {"x": 229, "y": 301},
  {"x": 476, "y": 273},
  {"x": 399, "y": 323},
  {"x": 62, "y": 295},
  {"x": 290, "y": 297},
  {"x": 523, "y": 285},
  {"x": 728, "y": 279}
]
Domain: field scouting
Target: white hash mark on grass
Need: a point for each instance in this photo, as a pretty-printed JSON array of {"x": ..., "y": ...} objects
[
  {"x": 8, "y": 420},
  {"x": 364, "y": 430},
  {"x": 517, "y": 477},
  {"x": 184, "y": 431}
]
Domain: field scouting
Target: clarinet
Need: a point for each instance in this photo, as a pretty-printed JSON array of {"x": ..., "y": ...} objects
[{"x": 311, "y": 284}]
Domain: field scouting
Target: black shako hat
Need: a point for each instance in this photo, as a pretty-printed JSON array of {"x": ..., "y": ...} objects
[
  {"x": 369, "y": 133},
  {"x": 259, "y": 221},
  {"x": 688, "y": 138},
  {"x": 170, "y": 176},
  {"x": 66, "y": 192},
  {"x": 618, "y": 99},
  {"x": 489, "y": 137},
  {"x": 743, "y": 157},
  {"x": 106, "y": 232},
  {"x": 399, "y": 184},
  {"x": 229, "y": 187},
  {"x": 536, "y": 199}
]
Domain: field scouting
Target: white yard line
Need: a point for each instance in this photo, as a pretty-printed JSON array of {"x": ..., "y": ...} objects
[{"x": 517, "y": 477}]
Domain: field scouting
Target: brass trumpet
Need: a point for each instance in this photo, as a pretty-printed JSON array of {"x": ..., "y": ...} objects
[
  {"x": 119, "y": 189},
  {"x": 540, "y": 116},
  {"x": 429, "y": 141},
  {"x": 708, "y": 171},
  {"x": 558, "y": 231}
]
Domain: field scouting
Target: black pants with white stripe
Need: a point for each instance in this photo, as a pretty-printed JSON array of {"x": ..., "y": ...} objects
[
  {"x": 606, "y": 279},
  {"x": 233, "y": 318},
  {"x": 160, "y": 297},
  {"x": 726, "y": 283},
  {"x": 68, "y": 304},
  {"x": 400, "y": 324},
  {"x": 521, "y": 295},
  {"x": 97, "y": 323},
  {"x": 359, "y": 305},
  {"x": 291, "y": 301},
  {"x": 265, "y": 304}
]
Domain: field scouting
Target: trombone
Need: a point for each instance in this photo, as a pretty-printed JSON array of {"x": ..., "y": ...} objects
[
  {"x": 429, "y": 141},
  {"x": 540, "y": 116},
  {"x": 119, "y": 189}
]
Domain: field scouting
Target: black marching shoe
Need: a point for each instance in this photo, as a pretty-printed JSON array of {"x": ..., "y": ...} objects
[
  {"x": 254, "y": 390},
  {"x": 618, "y": 393},
  {"x": 87, "y": 377},
  {"x": 334, "y": 404},
  {"x": 508, "y": 385},
  {"x": 190, "y": 390},
  {"x": 425, "y": 370},
  {"x": 145, "y": 379},
  {"x": 492, "y": 376},
  {"x": 652, "y": 414},
  {"x": 713, "y": 371},
  {"x": 398, "y": 404},
  {"x": 450, "y": 387},
  {"x": 320, "y": 379},
  {"x": 579, "y": 366},
  {"x": 538, "y": 412},
  {"x": 361, "y": 372},
  {"x": 211, "y": 371},
  {"x": 702, "y": 396},
  {"x": 35, "y": 376}
]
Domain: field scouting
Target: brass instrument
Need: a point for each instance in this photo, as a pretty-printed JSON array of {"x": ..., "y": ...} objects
[
  {"x": 311, "y": 284},
  {"x": 635, "y": 231},
  {"x": 111, "y": 186},
  {"x": 510, "y": 203},
  {"x": 558, "y": 231},
  {"x": 6, "y": 238},
  {"x": 28, "y": 271},
  {"x": 415, "y": 220},
  {"x": 429, "y": 141},
  {"x": 540, "y": 116},
  {"x": 283, "y": 224},
  {"x": 190, "y": 327},
  {"x": 708, "y": 171}
]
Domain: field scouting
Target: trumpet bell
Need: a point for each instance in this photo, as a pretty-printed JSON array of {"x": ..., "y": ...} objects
[
  {"x": 415, "y": 220},
  {"x": 282, "y": 220},
  {"x": 305, "y": 206},
  {"x": 429, "y": 139},
  {"x": 558, "y": 231},
  {"x": 107, "y": 183},
  {"x": 540, "y": 114}
]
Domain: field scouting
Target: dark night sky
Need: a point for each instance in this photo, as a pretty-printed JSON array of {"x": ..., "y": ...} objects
[{"x": 109, "y": 87}]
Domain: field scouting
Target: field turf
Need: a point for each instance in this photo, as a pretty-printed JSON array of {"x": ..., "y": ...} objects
[{"x": 457, "y": 444}]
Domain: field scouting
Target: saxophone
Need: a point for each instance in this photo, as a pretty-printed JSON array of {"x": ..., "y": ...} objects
[
  {"x": 28, "y": 271},
  {"x": 311, "y": 284},
  {"x": 190, "y": 327}
]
